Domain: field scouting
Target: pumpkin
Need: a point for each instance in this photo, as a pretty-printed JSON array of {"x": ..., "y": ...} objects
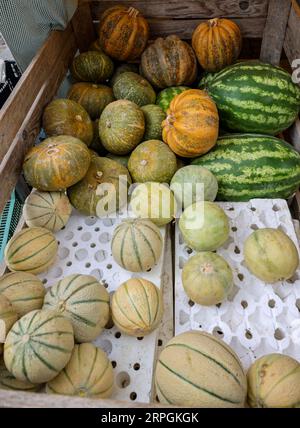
[
  {"x": 169, "y": 62},
  {"x": 92, "y": 97},
  {"x": 123, "y": 160},
  {"x": 121, "y": 127},
  {"x": 123, "y": 33},
  {"x": 192, "y": 124},
  {"x": 196, "y": 369},
  {"x": 95, "y": 46},
  {"x": 136, "y": 245},
  {"x": 8, "y": 381},
  {"x": 123, "y": 68},
  {"x": 93, "y": 154},
  {"x": 31, "y": 250},
  {"x": 38, "y": 346},
  {"x": 50, "y": 210},
  {"x": 99, "y": 192},
  {"x": 204, "y": 226},
  {"x": 96, "y": 144},
  {"x": 193, "y": 183},
  {"x": 217, "y": 43},
  {"x": 89, "y": 374},
  {"x": 25, "y": 291},
  {"x": 133, "y": 87},
  {"x": 84, "y": 301},
  {"x": 152, "y": 161},
  {"x": 154, "y": 201},
  {"x": 92, "y": 66},
  {"x": 56, "y": 163},
  {"x": 8, "y": 316},
  {"x": 207, "y": 278},
  {"x": 271, "y": 255},
  {"x": 137, "y": 307},
  {"x": 67, "y": 117},
  {"x": 154, "y": 116},
  {"x": 274, "y": 382}
]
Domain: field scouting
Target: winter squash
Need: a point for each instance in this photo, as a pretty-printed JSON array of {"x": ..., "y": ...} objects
[
  {"x": 96, "y": 144},
  {"x": 67, "y": 117},
  {"x": 9, "y": 382},
  {"x": 217, "y": 43},
  {"x": 136, "y": 245},
  {"x": 121, "y": 127},
  {"x": 123, "y": 33},
  {"x": 154, "y": 116},
  {"x": 89, "y": 374},
  {"x": 165, "y": 96},
  {"x": 169, "y": 62},
  {"x": 137, "y": 307},
  {"x": 82, "y": 300},
  {"x": 92, "y": 97},
  {"x": 133, "y": 87},
  {"x": 123, "y": 160},
  {"x": 152, "y": 161},
  {"x": 56, "y": 163},
  {"x": 8, "y": 316},
  {"x": 38, "y": 346},
  {"x": 25, "y": 291},
  {"x": 192, "y": 124},
  {"x": 123, "y": 68},
  {"x": 92, "y": 66},
  {"x": 98, "y": 192}
]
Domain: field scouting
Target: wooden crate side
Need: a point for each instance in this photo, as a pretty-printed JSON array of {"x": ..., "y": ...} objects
[
  {"x": 292, "y": 37},
  {"x": 82, "y": 26}
]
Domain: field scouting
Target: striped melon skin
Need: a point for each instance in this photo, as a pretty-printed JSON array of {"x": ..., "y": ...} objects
[
  {"x": 31, "y": 250},
  {"x": 196, "y": 369},
  {"x": 38, "y": 346},
  {"x": 253, "y": 166},
  {"x": 136, "y": 245},
  {"x": 274, "y": 381},
  {"x": 137, "y": 307},
  {"x": 255, "y": 97},
  {"x": 8, "y": 381},
  {"x": 165, "y": 96},
  {"x": 89, "y": 374},
  {"x": 25, "y": 291},
  {"x": 51, "y": 210},
  {"x": 8, "y": 316},
  {"x": 84, "y": 301}
]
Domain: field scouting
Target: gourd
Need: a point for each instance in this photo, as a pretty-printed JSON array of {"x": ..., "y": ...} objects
[
  {"x": 133, "y": 87},
  {"x": 92, "y": 66},
  {"x": 96, "y": 144},
  {"x": 8, "y": 316},
  {"x": 154, "y": 117},
  {"x": 9, "y": 382},
  {"x": 123, "y": 68}
]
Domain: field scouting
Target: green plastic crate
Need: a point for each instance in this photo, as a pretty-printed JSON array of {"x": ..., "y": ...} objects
[{"x": 9, "y": 220}]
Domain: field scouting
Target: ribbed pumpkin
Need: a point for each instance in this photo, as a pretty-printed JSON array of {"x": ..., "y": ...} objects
[
  {"x": 133, "y": 87},
  {"x": 89, "y": 374},
  {"x": 196, "y": 369},
  {"x": 50, "y": 210},
  {"x": 8, "y": 316},
  {"x": 192, "y": 124},
  {"x": 207, "y": 278},
  {"x": 92, "y": 66},
  {"x": 93, "y": 98},
  {"x": 123, "y": 160},
  {"x": 121, "y": 127},
  {"x": 123, "y": 33},
  {"x": 154, "y": 116},
  {"x": 137, "y": 307},
  {"x": 152, "y": 161},
  {"x": 96, "y": 144},
  {"x": 25, "y": 291},
  {"x": 84, "y": 301},
  {"x": 169, "y": 62},
  {"x": 8, "y": 381},
  {"x": 31, "y": 250},
  {"x": 136, "y": 245},
  {"x": 95, "y": 46},
  {"x": 38, "y": 346},
  {"x": 67, "y": 117},
  {"x": 56, "y": 163},
  {"x": 217, "y": 43},
  {"x": 91, "y": 195},
  {"x": 123, "y": 68}
]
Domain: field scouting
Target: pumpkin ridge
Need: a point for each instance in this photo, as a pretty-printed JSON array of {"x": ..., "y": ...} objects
[
  {"x": 81, "y": 318},
  {"x": 148, "y": 243},
  {"x": 49, "y": 345},
  {"x": 34, "y": 254},
  {"x": 42, "y": 323},
  {"x": 146, "y": 295},
  {"x": 101, "y": 376},
  {"x": 42, "y": 360},
  {"x": 157, "y": 304},
  {"x": 82, "y": 286},
  {"x": 122, "y": 246},
  {"x": 92, "y": 368}
]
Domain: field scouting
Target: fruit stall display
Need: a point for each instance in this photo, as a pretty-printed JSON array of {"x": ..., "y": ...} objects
[{"x": 86, "y": 292}]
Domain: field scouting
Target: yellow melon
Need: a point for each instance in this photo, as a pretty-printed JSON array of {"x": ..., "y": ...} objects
[
  {"x": 8, "y": 316},
  {"x": 8, "y": 381}
]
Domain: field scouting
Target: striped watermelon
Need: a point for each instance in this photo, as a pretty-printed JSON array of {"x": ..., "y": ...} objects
[
  {"x": 253, "y": 166},
  {"x": 255, "y": 97},
  {"x": 165, "y": 96},
  {"x": 8, "y": 381}
]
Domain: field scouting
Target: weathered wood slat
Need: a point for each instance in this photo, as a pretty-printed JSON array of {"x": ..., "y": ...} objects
[
  {"x": 82, "y": 26},
  {"x": 292, "y": 37}
]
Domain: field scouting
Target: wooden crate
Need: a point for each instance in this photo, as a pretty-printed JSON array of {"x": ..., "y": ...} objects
[{"x": 271, "y": 31}]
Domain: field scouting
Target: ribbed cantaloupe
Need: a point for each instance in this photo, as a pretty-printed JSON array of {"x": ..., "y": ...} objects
[
  {"x": 8, "y": 316},
  {"x": 136, "y": 245},
  {"x": 89, "y": 373},
  {"x": 196, "y": 369},
  {"x": 137, "y": 307},
  {"x": 38, "y": 346},
  {"x": 31, "y": 250},
  {"x": 25, "y": 291},
  {"x": 84, "y": 301},
  {"x": 50, "y": 210},
  {"x": 8, "y": 381}
]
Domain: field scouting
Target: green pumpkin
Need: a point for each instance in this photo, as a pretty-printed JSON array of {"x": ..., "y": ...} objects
[
  {"x": 123, "y": 68},
  {"x": 96, "y": 144},
  {"x": 133, "y": 87},
  {"x": 121, "y": 127},
  {"x": 123, "y": 160},
  {"x": 92, "y": 66},
  {"x": 154, "y": 116}
]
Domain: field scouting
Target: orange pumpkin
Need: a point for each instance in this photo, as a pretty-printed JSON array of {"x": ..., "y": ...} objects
[
  {"x": 123, "y": 33},
  {"x": 192, "y": 124},
  {"x": 217, "y": 43}
]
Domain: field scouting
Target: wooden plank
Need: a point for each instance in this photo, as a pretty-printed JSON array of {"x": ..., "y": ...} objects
[
  {"x": 82, "y": 24},
  {"x": 274, "y": 32},
  {"x": 292, "y": 37},
  {"x": 294, "y": 135}
]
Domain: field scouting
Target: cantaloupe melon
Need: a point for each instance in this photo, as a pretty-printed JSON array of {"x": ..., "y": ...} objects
[
  {"x": 196, "y": 369},
  {"x": 8, "y": 381},
  {"x": 137, "y": 307},
  {"x": 8, "y": 316},
  {"x": 89, "y": 373},
  {"x": 84, "y": 301}
]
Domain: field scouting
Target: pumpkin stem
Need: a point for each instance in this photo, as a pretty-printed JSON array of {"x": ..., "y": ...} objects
[
  {"x": 170, "y": 119},
  {"x": 78, "y": 118},
  {"x": 132, "y": 12},
  {"x": 144, "y": 162},
  {"x": 108, "y": 124},
  {"x": 213, "y": 22}
]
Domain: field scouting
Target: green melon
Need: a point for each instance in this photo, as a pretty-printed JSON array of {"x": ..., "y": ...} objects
[
  {"x": 92, "y": 66},
  {"x": 133, "y": 87},
  {"x": 154, "y": 116},
  {"x": 123, "y": 68},
  {"x": 9, "y": 382},
  {"x": 8, "y": 316},
  {"x": 165, "y": 96}
]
